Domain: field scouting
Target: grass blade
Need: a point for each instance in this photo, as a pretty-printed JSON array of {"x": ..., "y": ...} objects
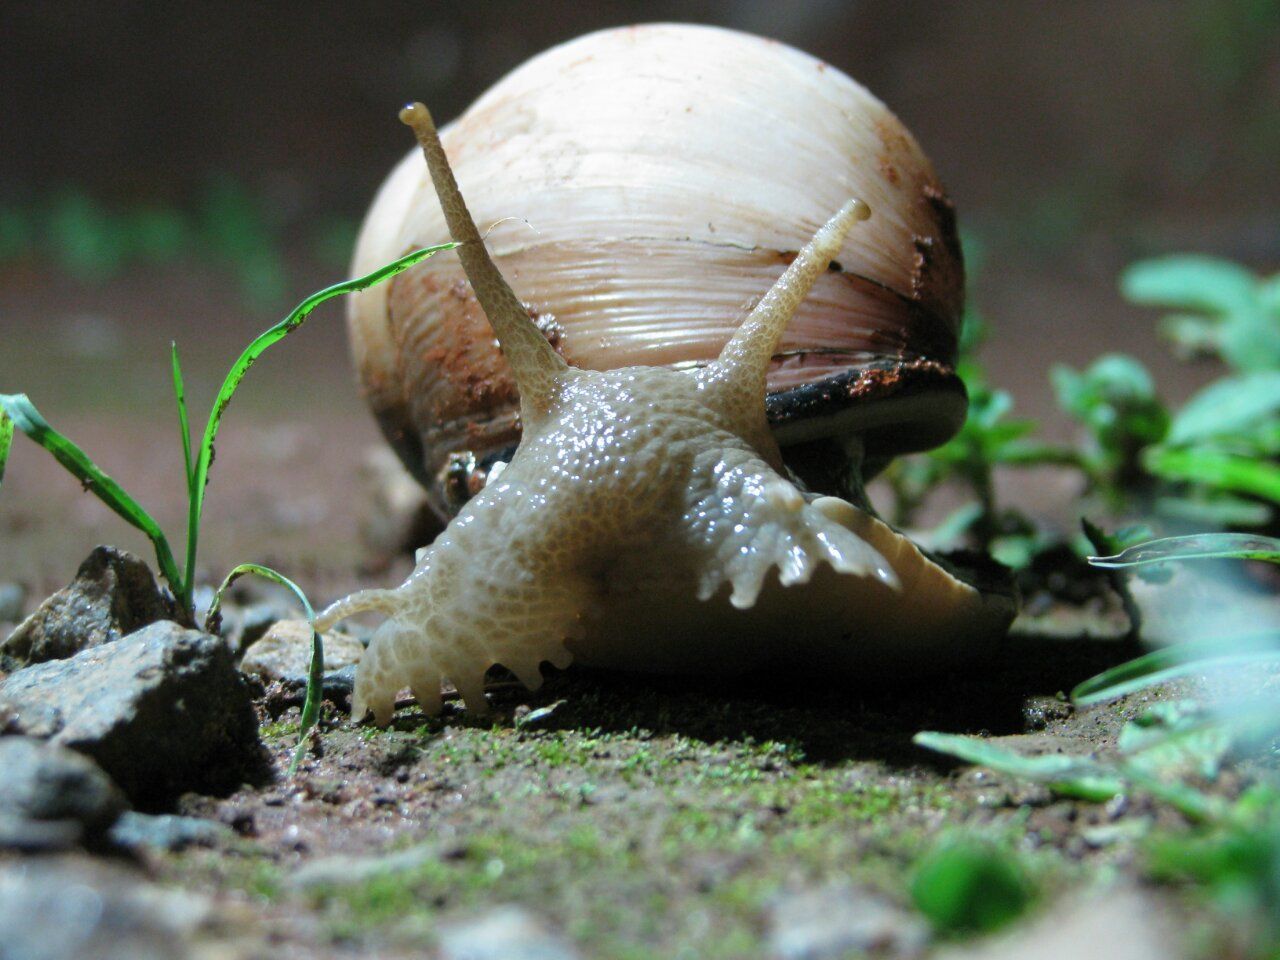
[
  {"x": 23, "y": 414},
  {"x": 315, "y": 671},
  {"x": 200, "y": 475},
  {"x": 1173, "y": 662},
  {"x": 1204, "y": 546},
  {"x": 184, "y": 424},
  {"x": 6, "y": 439},
  {"x": 1079, "y": 777}
]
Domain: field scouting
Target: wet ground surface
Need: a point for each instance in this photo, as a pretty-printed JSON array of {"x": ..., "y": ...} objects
[{"x": 658, "y": 818}]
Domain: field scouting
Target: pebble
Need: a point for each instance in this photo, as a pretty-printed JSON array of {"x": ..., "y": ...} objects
[
  {"x": 113, "y": 594},
  {"x": 52, "y": 798},
  {"x": 503, "y": 933},
  {"x": 1124, "y": 923},
  {"x": 70, "y": 908},
  {"x": 162, "y": 711},
  {"x": 166, "y": 831},
  {"x": 839, "y": 919},
  {"x": 284, "y": 652},
  {"x": 343, "y": 870}
]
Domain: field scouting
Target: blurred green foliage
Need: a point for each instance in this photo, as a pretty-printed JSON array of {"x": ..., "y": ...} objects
[
  {"x": 1213, "y": 463},
  {"x": 1217, "y": 308},
  {"x": 228, "y": 226},
  {"x": 969, "y": 887}
]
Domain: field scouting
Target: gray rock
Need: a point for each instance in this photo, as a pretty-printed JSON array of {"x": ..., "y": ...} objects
[
  {"x": 69, "y": 909},
  {"x": 12, "y": 597},
  {"x": 504, "y": 933},
  {"x": 162, "y": 711},
  {"x": 336, "y": 686},
  {"x": 112, "y": 595},
  {"x": 52, "y": 798},
  {"x": 253, "y": 621},
  {"x": 839, "y": 919},
  {"x": 167, "y": 831},
  {"x": 285, "y": 651}
]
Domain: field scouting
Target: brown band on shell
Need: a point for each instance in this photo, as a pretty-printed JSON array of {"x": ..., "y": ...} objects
[{"x": 925, "y": 380}]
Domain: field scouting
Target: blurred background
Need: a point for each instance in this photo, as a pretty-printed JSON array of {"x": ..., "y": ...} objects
[{"x": 189, "y": 171}]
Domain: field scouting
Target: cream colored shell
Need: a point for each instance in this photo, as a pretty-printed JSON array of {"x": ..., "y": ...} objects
[
  {"x": 640, "y": 188},
  {"x": 646, "y": 523}
]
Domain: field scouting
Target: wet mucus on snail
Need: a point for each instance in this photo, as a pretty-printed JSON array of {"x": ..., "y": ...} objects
[
  {"x": 648, "y": 184},
  {"x": 647, "y": 521}
]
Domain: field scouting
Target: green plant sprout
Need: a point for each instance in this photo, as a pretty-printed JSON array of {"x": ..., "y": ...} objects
[
  {"x": 315, "y": 669},
  {"x": 1213, "y": 462},
  {"x": 1115, "y": 400},
  {"x": 17, "y": 411},
  {"x": 1162, "y": 749}
]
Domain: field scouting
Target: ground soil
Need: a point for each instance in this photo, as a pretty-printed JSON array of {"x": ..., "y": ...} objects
[{"x": 638, "y": 817}]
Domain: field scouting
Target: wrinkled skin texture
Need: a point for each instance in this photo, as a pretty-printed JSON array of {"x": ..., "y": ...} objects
[
  {"x": 639, "y": 469},
  {"x": 630, "y": 460}
]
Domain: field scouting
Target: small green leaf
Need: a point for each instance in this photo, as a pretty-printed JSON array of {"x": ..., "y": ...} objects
[
  {"x": 968, "y": 887},
  {"x": 1214, "y": 468},
  {"x": 1189, "y": 282},
  {"x": 1213, "y": 508},
  {"x": 1200, "y": 546},
  {"x": 1227, "y": 406},
  {"x": 1193, "y": 336},
  {"x": 23, "y": 415},
  {"x": 6, "y": 439},
  {"x": 1080, "y": 777},
  {"x": 184, "y": 424}
]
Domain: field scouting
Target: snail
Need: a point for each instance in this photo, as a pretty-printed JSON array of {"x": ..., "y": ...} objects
[
  {"x": 665, "y": 175},
  {"x": 646, "y": 521}
]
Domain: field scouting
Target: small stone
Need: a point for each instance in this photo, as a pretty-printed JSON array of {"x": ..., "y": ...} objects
[
  {"x": 167, "y": 831},
  {"x": 162, "y": 711},
  {"x": 343, "y": 870},
  {"x": 52, "y": 798},
  {"x": 1038, "y": 713},
  {"x": 1124, "y": 923},
  {"x": 839, "y": 919},
  {"x": 504, "y": 933},
  {"x": 284, "y": 652},
  {"x": 253, "y": 621},
  {"x": 70, "y": 909},
  {"x": 112, "y": 595},
  {"x": 12, "y": 597}
]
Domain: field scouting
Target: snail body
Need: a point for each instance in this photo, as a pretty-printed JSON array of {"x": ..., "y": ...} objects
[
  {"x": 647, "y": 521},
  {"x": 665, "y": 176}
]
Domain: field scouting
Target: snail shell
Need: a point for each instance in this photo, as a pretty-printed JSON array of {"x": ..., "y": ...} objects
[{"x": 666, "y": 175}]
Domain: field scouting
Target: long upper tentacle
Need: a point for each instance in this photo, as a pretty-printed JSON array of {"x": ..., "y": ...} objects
[
  {"x": 736, "y": 379},
  {"x": 534, "y": 363},
  {"x": 362, "y": 601}
]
